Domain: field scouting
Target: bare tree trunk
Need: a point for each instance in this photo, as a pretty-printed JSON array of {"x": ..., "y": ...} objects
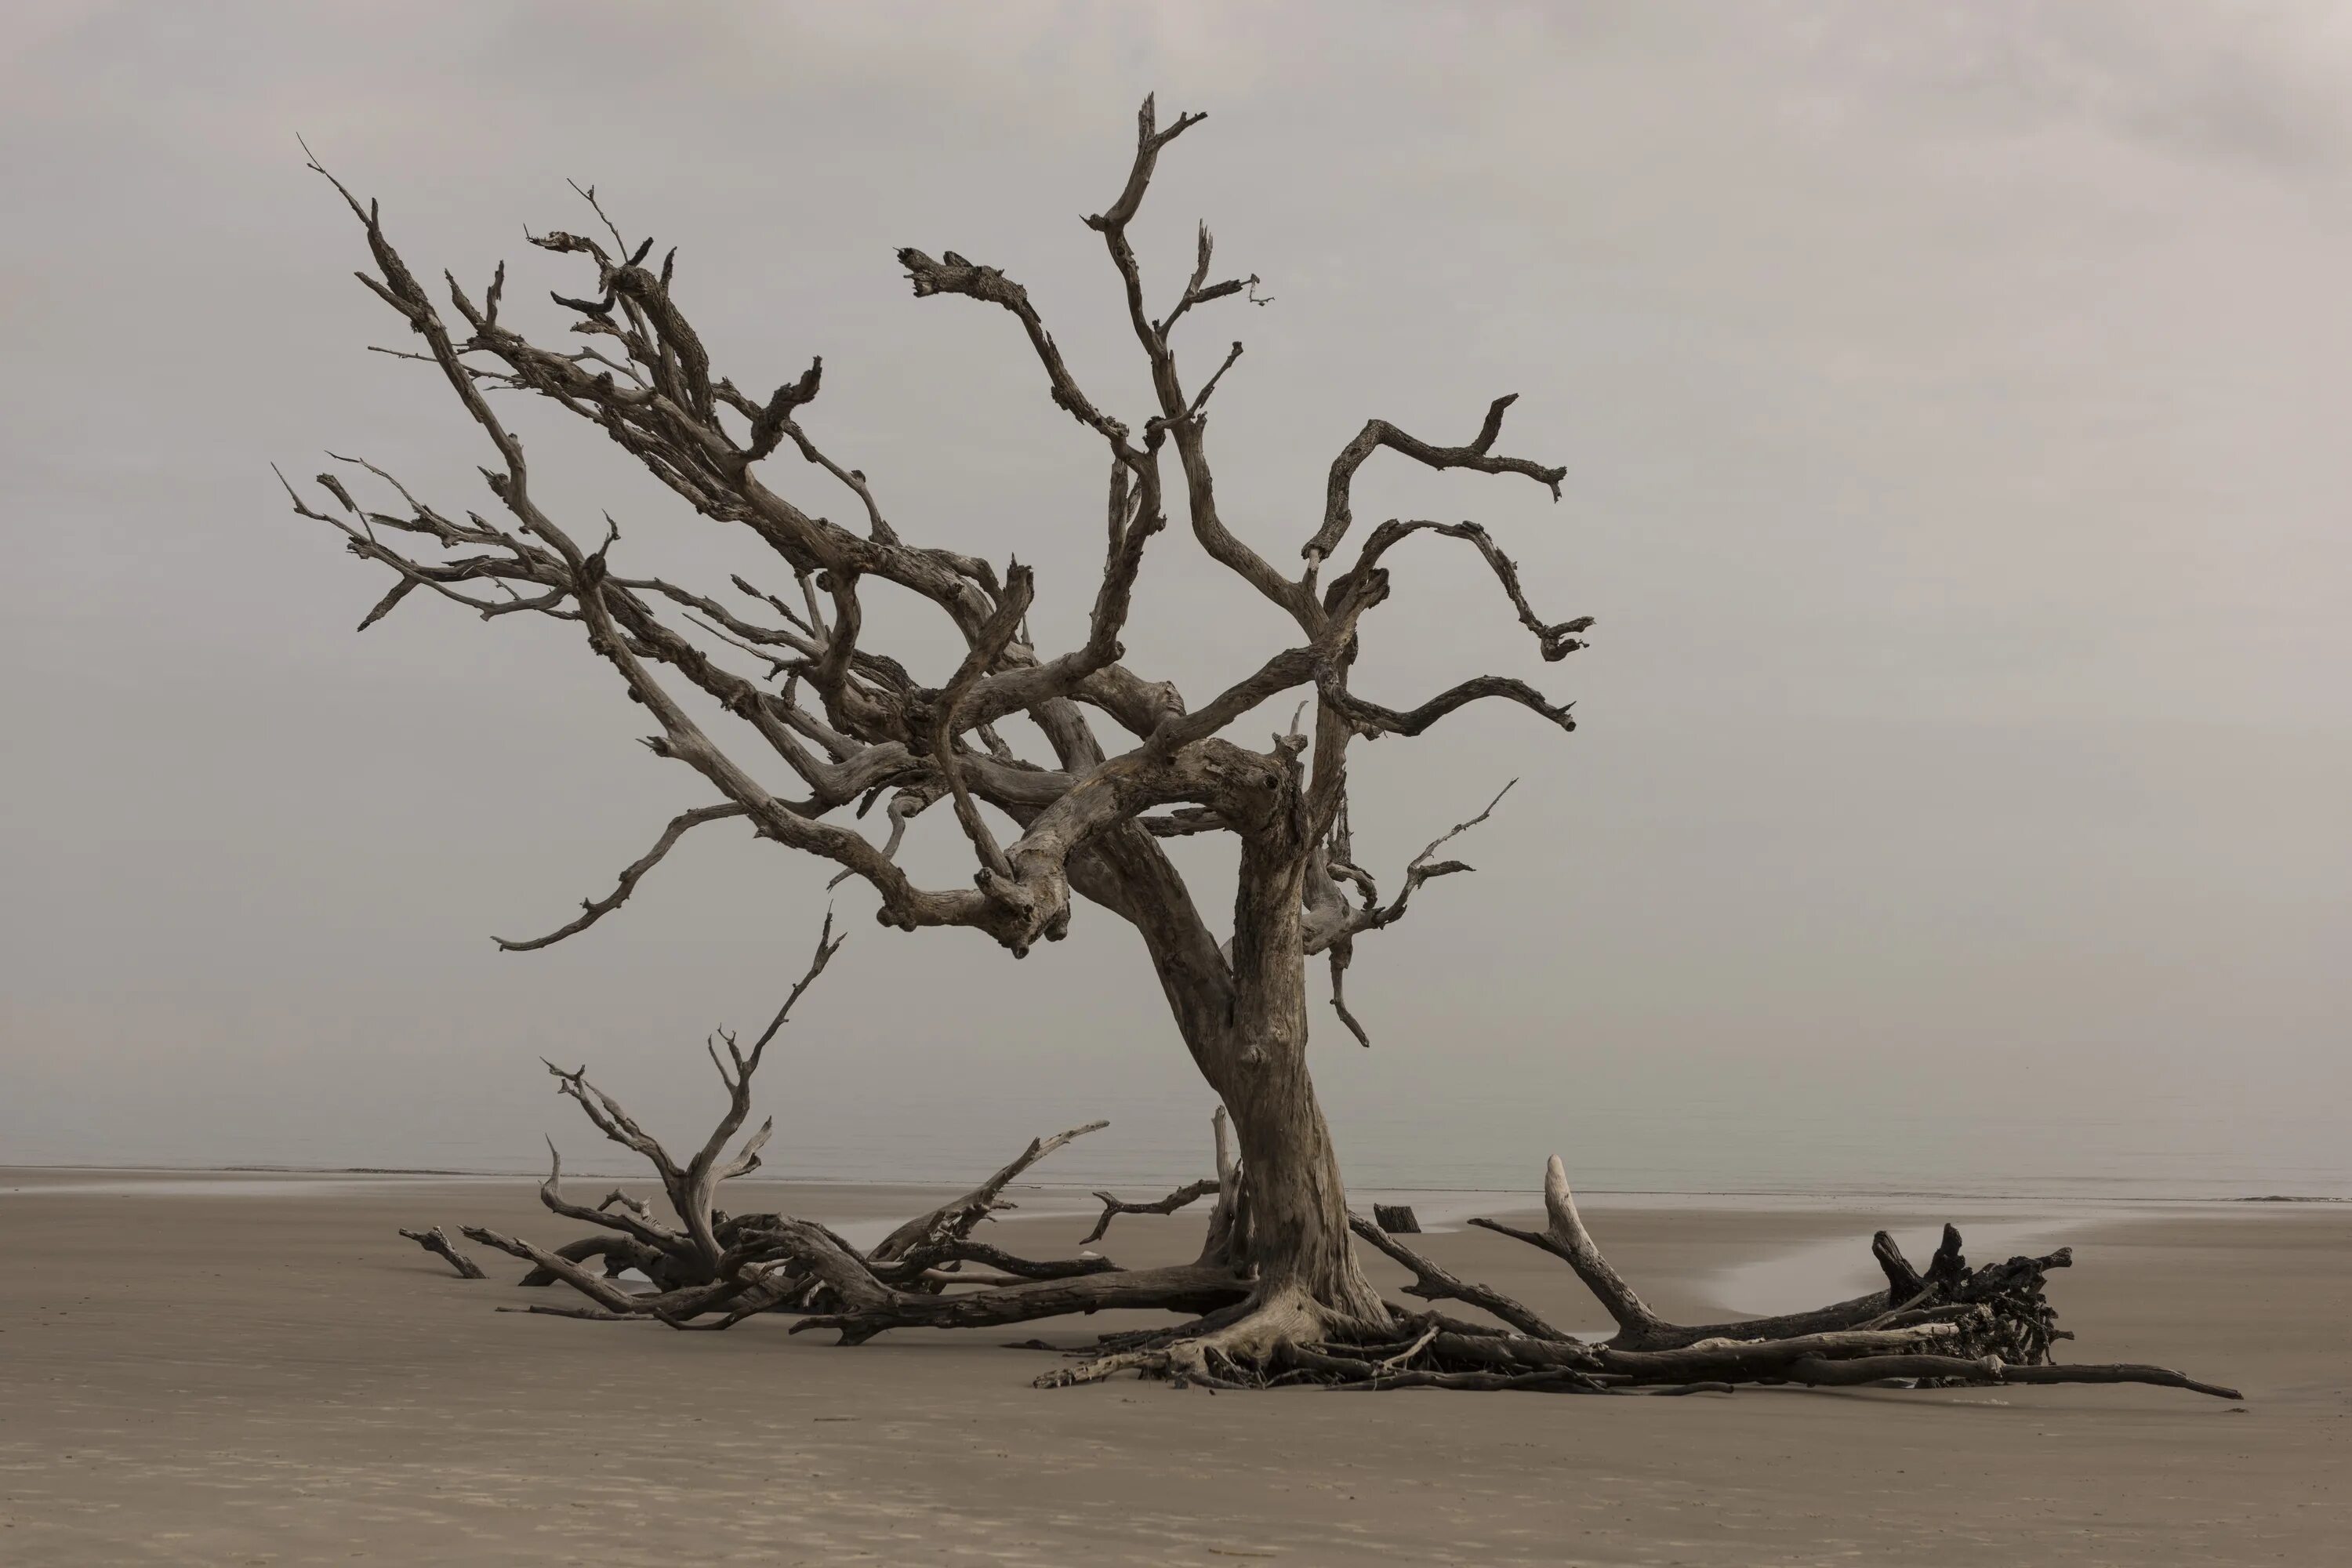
[
  {"x": 1299, "y": 1240},
  {"x": 1298, "y": 1206},
  {"x": 1243, "y": 1016}
]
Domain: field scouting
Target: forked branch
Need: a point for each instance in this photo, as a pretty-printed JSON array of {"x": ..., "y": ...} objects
[{"x": 1478, "y": 456}]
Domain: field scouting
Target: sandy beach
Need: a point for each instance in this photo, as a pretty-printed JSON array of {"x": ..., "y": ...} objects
[{"x": 257, "y": 1370}]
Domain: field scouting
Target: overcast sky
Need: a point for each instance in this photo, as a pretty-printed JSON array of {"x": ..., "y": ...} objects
[{"x": 1955, "y": 400}]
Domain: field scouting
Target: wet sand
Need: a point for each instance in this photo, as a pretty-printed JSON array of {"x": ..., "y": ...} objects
[{"x": 265, "y": 1374}]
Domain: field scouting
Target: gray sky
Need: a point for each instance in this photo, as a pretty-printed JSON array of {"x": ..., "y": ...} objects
[{"x": 1954, "y": 399}]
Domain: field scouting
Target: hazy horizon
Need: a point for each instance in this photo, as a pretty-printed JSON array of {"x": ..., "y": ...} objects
[{"x": 1953, "y": 400}]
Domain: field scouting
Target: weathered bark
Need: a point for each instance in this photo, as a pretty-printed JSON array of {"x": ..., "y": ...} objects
[
  {"x": 1295, "y": 1245},
  {"x": 1298, "y": 1239},
  {"x": 1299, "y": 1207},
  {"x": 1182, "y": 1288}
]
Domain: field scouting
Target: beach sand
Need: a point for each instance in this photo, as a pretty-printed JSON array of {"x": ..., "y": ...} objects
[{"x": 263, "y": 1373}]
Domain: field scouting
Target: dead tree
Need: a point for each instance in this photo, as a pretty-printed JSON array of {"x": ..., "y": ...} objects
[
  {"x": 755, "y": 676},
  {"x": 795, "y": 680}
]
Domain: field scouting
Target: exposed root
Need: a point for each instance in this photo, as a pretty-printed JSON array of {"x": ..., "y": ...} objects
[
  {"x": 1154, "y": 1339},
  {"x": 1949, "y": 1325},
  {"x": 1288, "y": 1340},
  {"x": 1244, "y": 1353}
]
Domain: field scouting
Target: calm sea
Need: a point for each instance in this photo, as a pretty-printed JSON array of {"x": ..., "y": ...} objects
[{"x": 2158, "y": 1148}]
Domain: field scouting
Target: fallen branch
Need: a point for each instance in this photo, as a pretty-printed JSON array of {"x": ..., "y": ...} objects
[
  {"x": 1431, "y": 1283},
  {"x": 437, "y": 1242},
  {"x": 1182, "y": 1197},
  {"x": 954, "y": 1221},
  {"x": 1182, "y": 1288},
  {"x": 1942, "y": 1369},
  {"x": 1948, "y": 1325}
]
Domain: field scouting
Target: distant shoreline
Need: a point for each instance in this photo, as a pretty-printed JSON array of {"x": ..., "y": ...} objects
[{"x": 1768, "y": 1195}]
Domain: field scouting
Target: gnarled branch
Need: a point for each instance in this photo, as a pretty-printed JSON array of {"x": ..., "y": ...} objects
[
  {"x": 1478, "y": 456},
  {"x": 595, "y": 910}
]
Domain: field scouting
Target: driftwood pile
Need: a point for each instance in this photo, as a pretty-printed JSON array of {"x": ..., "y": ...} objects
[{"x": 1947, "y": 1325}]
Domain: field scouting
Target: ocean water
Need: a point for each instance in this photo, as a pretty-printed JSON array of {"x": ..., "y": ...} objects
[
  {"x": 2148, "y": 1152},
  {"x": 2144, "y": 1147},
  {"x": 1427, "y": 1114}
]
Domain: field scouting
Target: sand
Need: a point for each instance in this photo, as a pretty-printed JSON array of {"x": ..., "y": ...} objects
[{"x": 266, "y": 1374}]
